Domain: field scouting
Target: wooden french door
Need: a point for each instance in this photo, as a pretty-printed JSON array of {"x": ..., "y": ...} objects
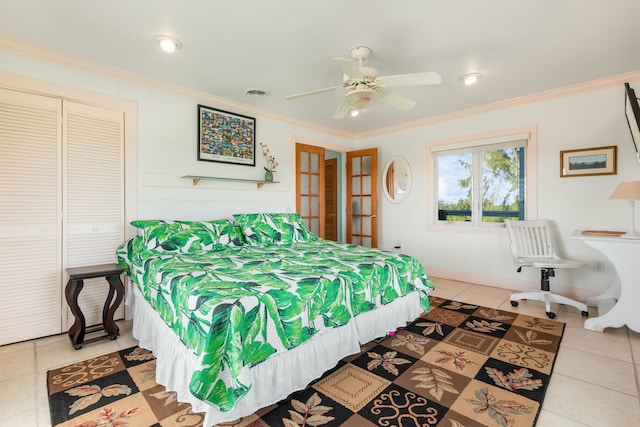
[
  {"x": 361, "y": 193},
  {"x": 310, "y": 187},
  {"x": 331, "y": 199},
  {"x": 362, "y": 197}
]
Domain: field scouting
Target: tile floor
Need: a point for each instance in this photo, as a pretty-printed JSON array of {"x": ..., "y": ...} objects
[{"x": 596, "y": 379}]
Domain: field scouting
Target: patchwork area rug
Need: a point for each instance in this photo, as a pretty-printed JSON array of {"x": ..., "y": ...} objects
[{"x": 458, "y": 365}]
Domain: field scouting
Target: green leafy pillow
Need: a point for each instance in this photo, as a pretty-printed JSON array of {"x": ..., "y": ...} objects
[
  {"x": 273, "y": 228},
  {"x": 189, "y": 236},
  {"x": 155, "y": 231},
  {"x": 220, "y": 233}
]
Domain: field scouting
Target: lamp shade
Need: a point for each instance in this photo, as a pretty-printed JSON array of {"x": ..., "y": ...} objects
[{"x": 628, "y": 190}]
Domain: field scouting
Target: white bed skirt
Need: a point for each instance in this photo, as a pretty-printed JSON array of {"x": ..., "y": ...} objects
[{"x": 278, "y": 376}]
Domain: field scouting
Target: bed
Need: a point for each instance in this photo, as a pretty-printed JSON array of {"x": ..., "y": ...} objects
[{"x": 241, "y": 313}]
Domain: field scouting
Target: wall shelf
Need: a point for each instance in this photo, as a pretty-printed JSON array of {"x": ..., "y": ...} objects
[{"x": 197, "y": 178}]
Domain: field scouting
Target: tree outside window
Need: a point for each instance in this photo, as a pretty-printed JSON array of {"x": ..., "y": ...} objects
[{"x": 498, "y": 169}]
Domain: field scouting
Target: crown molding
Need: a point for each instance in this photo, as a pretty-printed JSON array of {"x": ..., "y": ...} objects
[
  {"x": 57, "y": 58},
  {"x": 590, "y": 86},
  {"x": 46, "y": 55}
]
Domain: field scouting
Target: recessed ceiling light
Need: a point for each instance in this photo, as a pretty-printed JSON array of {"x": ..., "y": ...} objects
[
  {"x": 470, "y": 78},
  {"x": 167, "y": 43}
]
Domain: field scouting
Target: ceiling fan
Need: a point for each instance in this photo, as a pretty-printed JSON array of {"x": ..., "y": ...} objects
[{"x": 365, "y": 85}]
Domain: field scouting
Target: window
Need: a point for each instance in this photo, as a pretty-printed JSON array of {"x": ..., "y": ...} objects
[{"x": 481, "y": 181}]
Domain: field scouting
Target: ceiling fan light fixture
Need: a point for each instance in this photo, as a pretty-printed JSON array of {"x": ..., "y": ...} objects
[
  {"x": 366, "y": 86},
  {"x": 470, "y": 78},
  {"x": 167, "y": 43},
  {"x": 361, "y": 98}
]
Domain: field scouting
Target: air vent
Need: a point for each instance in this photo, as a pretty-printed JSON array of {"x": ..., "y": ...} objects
[{"x": 256, "y": 92}]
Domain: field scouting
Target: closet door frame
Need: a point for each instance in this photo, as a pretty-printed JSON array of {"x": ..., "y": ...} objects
[{"x": 129, "y": 110}]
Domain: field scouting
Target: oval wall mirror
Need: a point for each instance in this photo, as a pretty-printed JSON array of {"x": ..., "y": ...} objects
[{"x": 397, "y": 180}]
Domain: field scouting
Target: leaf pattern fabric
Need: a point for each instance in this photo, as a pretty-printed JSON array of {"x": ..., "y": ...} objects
[
  {"x": 456, "y": 358},
  {"x": 387, "y": 361},
  {"x": 484, "y": 326},
  {"x": 189, "y": 236},
  {"x": 431, "y": 327},
  {"x": 411, "y": 342},
  {"x": 530, "y": 337},
  {"x": 237, "y": 306},
  {"x": 437, "y": 381},
  {"x": 91, "y": 394},
  {"x": 519, "y": 379},
  {"x": 273, "y": 228},
  {"x": 501, "y": 411},
  {"x": 311, "y": 413}
]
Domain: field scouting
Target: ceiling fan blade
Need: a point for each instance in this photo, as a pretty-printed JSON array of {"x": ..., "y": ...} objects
[
  {"x": 314, "y": 92},
  {"x": 395, "y": 100},
  {"x": 349, "y": 67},
  {"x": 342, "y": 109},
  {"x": 416, "y": 79}
]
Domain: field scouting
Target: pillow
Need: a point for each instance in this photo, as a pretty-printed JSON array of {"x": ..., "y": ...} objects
[
  {"x": 155, "y": 230},
  {"x": 273, "y": 228},
  {"x": 189, "y": 236},
  {"x": 220, "y": 233}
]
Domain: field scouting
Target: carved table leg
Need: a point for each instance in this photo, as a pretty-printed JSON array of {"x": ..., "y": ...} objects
[
  {"x": 77, "y": 330},
  {"x": 115, "y": 284}
]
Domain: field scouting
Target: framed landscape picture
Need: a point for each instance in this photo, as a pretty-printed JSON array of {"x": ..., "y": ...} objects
[
  {"x": 226, "y": 137},
  {"x": 589, "y": 161}
]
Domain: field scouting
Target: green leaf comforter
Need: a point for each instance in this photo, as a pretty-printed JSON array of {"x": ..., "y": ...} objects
[{"x": 235, "y": 307}]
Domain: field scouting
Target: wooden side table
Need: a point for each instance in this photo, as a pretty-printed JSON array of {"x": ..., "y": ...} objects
[{"x": 111, "y": 272}]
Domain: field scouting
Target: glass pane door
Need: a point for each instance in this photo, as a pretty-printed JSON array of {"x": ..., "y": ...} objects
[
  {"x": 362, "y": 197},
  {"x": 310, "y": 187}
]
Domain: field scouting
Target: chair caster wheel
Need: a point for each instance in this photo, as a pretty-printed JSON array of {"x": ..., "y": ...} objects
[
  {"x": 551, "y": 315},
  {"x": 514, "y": 303},
  {"x": 585, "y": 314}
]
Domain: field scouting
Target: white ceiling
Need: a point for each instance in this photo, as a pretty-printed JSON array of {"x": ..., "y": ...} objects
[{"x": 285, "y": 47}]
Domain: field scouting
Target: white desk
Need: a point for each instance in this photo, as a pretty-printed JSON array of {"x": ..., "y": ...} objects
[{"x": 624, "y": 255}]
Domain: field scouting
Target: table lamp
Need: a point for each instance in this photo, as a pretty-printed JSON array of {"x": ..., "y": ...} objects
[{"x": 629, "y": 190}]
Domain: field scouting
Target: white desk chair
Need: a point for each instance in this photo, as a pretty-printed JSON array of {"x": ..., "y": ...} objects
[{"x": 532, "y": 245}]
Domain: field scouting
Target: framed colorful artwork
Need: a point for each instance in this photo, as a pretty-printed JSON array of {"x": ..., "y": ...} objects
[{"x": 226, "y": 137}]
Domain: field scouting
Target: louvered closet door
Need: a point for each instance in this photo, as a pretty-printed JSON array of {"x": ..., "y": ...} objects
[
  {"x": 30, "y": 200},
  {"x": 93, "y": 202}
]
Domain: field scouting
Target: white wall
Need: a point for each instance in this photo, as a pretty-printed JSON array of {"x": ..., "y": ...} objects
[
  {"x": 166, "y": 147},
  {"x": 591, "y": 119}
]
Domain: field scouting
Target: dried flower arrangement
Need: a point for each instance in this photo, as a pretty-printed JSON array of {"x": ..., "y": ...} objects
[{"x": 272, "y": 163}]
